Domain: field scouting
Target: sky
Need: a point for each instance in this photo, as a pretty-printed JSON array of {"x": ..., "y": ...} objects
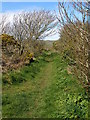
[
  {"x": 14, "y": 7},
  {"x": 11, "y": 8}
]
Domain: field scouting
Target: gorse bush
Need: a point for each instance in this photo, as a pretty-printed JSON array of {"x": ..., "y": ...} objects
[
  {"x": 11, "y": 58},
  {"x": 25, "y": 73}
]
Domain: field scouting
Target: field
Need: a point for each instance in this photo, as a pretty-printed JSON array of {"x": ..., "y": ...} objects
[{"x": 44, "y": 89}]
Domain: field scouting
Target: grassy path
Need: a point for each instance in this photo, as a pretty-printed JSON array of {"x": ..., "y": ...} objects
[
  {"x": 39, "y": 81},
  {"x": 52, "y": 93}
]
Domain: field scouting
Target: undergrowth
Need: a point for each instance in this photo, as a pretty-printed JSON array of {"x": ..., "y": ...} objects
[{"x": 48, "y": 91}]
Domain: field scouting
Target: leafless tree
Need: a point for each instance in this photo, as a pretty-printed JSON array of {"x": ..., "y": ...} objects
[
  {"x": 4, "y": 24},
  {"x": 74, "y": 24},
  {"x": 17, "y": 30},
  {"x": 38, "y": 24},
  {"x": 34, "y": 25}
]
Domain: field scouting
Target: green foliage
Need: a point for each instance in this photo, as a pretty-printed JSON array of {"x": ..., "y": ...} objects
[
  {"x": 6, "y": 79},
  {"x": 24, "y": 73},
  {"x": 68, "y": 56},
  {"x": 17, "y": 78},
  {"x": 74, "y": 47},
  {"x": 49, "y": 92},
  {"x": 14, "y": 55}
]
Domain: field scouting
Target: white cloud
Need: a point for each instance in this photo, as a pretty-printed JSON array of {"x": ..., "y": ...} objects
[
  {"x": 53, "y": 37},
  {"x": 10, "y": 15}
]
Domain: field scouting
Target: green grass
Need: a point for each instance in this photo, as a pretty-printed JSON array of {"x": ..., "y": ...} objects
[
  {"x": 46, "y": 91},
  {"x": 26, "y": 73}
]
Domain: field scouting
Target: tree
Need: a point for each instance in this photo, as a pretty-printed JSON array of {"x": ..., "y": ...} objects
[
  {"x": 38, "y": 24},
  {"x": 74, "y": 35},
  {"x": 4, "y": 24},
  {"x": 31, "y": 26},
  {"x": 17, "y": 31}
]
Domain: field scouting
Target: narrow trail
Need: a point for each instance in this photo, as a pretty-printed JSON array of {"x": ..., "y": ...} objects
[
  {"x": 44, "y": 76},
  {"x": 51, "y": 94},
  {"x": 40, "y": 81}
]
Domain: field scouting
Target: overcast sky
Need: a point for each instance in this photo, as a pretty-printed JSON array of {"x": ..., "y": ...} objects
[{"x": 10, "y": 8}]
